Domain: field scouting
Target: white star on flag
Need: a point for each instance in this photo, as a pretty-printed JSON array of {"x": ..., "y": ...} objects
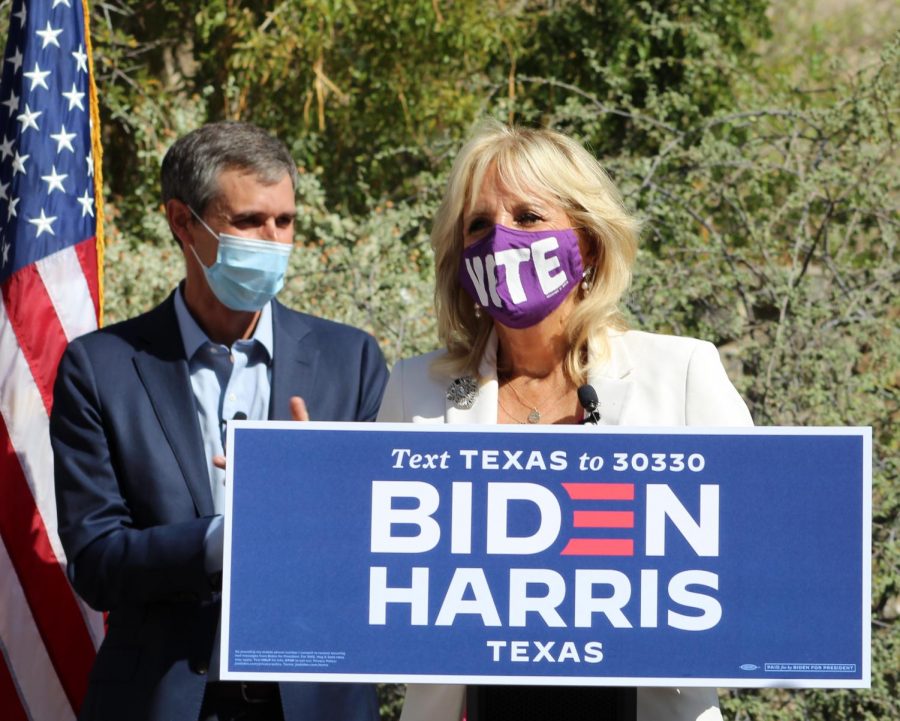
[
  {"x": 16, "y": 60},
  {"x": 6, "y": 247},
  {"x": 49, "y": 35},
  {"x": 38, "y": 77},
  {"x": 54, "y": 181},
  {"x": 87, "y": 204},
  {"x": 6, "y": 147},
  {"x": 43, "y": 223},
  {"x": 61, "y": 2},
  {"x": 22, "y": 14},
  {"x": 11, "y": 210},
  {"x": 90, "y": 164},
  {"x": 29, "y": 118},
  {"x": 63, "y": 140},
  {"x": 74, "y": 97},
  {"x": 18, "y": 164},
  {"x": 12, "y": 102},
  {"x": 80, "y": 59}
]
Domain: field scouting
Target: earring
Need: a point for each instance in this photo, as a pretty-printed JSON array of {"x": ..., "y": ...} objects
[
  {"x": 587, "y": 280},
  {"x": 477, "y": 311}
]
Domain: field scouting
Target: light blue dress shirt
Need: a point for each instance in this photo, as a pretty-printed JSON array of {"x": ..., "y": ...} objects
[{"x": 226, "y": 381}]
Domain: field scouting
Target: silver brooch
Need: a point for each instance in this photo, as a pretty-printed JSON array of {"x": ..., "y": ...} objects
[{"x": 462, "y": 392}]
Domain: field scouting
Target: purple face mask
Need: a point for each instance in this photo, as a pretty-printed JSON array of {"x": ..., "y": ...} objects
[{"x": 521, "y": 276}]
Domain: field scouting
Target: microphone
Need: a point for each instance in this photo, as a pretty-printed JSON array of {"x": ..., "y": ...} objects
[
  {"x": 588, "y": 399},
  {"x": 223, "y": 424}
]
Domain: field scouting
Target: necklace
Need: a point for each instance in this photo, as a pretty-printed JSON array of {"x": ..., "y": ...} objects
[
  {"x": 534, "y": 415},
  {"x": 517, "y": 420}
]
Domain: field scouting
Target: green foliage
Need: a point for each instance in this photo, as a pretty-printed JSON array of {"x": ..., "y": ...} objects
[
  {"x": 768, "y": 189},
  {"x": 360, "y": 88},
  {"x": 673, "y": 59},
  {"x": 374, "y": 270},
  {"x": 139, "y": 54},
  {"x": 377, "y": 92}
]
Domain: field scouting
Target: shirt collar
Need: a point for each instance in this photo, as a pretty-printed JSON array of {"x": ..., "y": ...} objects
[{"x": 194, "y": 338}]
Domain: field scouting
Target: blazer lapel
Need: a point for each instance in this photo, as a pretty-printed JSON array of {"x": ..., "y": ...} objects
[
  {"x": 163, "y": 370},
  {"x": 484, "y": 410},
  {"x": 610, "y": 379},
  {"x": 294, "y": 365}
]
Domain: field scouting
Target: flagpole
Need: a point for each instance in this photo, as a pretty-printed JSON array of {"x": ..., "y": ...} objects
[{"x": 97, "y": 151}]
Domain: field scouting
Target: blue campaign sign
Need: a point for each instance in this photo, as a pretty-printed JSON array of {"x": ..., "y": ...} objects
[{"x": 550, "y": 555}]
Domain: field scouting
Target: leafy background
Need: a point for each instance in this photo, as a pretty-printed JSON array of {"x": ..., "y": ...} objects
[{"x": 758, "y": 142}]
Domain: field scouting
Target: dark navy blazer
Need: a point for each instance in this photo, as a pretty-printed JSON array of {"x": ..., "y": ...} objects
[{"x": 134, "y": 501}]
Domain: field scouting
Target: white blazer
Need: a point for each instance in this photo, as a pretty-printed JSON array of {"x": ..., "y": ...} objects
[{"x": 648, "y": 380}]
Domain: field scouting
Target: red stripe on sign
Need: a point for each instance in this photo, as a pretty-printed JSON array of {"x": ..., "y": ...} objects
[
  {"x": 39, "y": 333},
  {"x": 51, "y": 599},
  {"x": 604, "y": 519},
  {"x": 10, "y": 703},
  {"x": 87, "y": 257},
  {"x": 600, "y": 491},
  {"x": 599, "y": 547}
]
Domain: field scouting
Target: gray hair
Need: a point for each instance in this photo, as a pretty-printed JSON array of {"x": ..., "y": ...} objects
[{"x": 191, "y": 167}]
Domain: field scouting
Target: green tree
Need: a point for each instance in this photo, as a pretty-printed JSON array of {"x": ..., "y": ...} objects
[{"x": 676, "y": 61}]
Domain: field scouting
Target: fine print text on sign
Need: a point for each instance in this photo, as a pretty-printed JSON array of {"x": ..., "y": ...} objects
[{"x": 731, "y": 557}]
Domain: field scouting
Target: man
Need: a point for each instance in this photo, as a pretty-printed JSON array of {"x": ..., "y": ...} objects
[{"x": 138, "y": 424}]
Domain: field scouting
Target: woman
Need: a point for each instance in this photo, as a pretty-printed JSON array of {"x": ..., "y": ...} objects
[{"x": 533, "y": 251}]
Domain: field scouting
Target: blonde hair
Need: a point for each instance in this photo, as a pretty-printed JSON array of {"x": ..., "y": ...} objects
[{"x": 529, "y": 161}]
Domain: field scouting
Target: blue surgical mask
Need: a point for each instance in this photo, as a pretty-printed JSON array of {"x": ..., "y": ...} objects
[{"x": 248, "y": 272}]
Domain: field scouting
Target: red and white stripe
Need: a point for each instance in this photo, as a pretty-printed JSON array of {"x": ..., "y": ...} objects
[{"x": 48, "y": 637}]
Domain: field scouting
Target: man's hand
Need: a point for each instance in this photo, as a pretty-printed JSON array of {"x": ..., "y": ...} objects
[
  {"x": 298, "y": 413},
  {"x": 298, "y": 409}
]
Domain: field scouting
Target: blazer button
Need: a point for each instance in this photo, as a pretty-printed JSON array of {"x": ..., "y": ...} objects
[{"x": 200, "y": 668}]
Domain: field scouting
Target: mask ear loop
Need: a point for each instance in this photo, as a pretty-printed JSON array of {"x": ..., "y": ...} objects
[
  {"x": 209, "y": 230},
  {"x": 202, "y": 265}
]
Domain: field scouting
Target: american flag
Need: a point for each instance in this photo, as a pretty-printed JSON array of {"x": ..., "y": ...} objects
[{"x": 50, "y": 257}]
